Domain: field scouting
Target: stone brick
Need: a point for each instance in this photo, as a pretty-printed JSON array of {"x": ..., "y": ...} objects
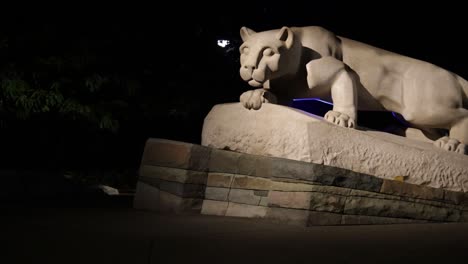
[
  {"x": 244, "y": 210},
  {"x": 291, "y": 187},
  {"x": 264, "y": 201},
  {"x": 369, "y": 183},
  {"x": 169, "y": 202},
  {"x": 244, "y": 197},
  {"x": 323, "y": 218},
  {"x": 398, "y": 209},
  {"x": 376, "y": 220},
  {"x": 199, "y": 158},
  {"x": 411, "y": 190},
  {"x": 361, "y": 193},
  {"x": 353, "y": 180},
  {"x": 173, "y": 174},
  {"x": 223, "y": 161},
  {"x": 261, "y": 193},
  {"x": 327, "y": 175},
  {"x": 331, "y": 190},
  {"x": 315, "y": 201},
  {"x": 176, "y": 188},
  {"x": 437, "y": 213},
  {"x": 288, "y": 216},
  {"x": 214, "y": 208},
  {"x": 349, "y": 180},
  {"x": 216, "y": 193},
  {"x": 155, "y": 182},
  {"x": 292, "y": 169},
  {"x": 296, "y": 200},
  {"x": 455, "y": 197},
  {"x": 436, "y": 203},
  {"x": 246, "y": 164},
  {"x": 183, "y": 190},
  {"x": 174, "y": 154},
  {"x": 252, "y": 183},
  {"x": 146, "y": 197},
  {"x": 327, "y": 202},
  {"x": 264, "y": 167},
  {"x": 217, "y": 179}
]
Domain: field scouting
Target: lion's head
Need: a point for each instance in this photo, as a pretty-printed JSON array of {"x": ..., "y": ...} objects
[{"x": 267, "y": 55}]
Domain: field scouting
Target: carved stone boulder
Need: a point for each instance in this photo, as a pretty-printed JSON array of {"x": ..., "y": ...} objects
[{"x": 284, "y": 132}]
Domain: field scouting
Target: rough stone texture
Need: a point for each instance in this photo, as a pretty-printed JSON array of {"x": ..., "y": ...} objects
[
  {"x": 399, "y": 209},
  {"x": 327, "y": 202},
  {"x": 456, "y": 197},
  {"x": 244, "y": 196},
  {"x": 292, "y": 187},
  {"x": 264, "y": 201},
  {"x": 323, "y": 218},
  {"x": 296, "y": 200},
  {"x": 217, "y": 179},
  {"x": 261, "y": 193},
  {"x": 146, "y": 197},
  {"x": 223, "y": 161},
  {"x": 293, "y": 134},
  {"x": 360, "y": 193},
  {"x": 411, "y": 190},
  {"x": 169, "y": 202},
  {"x": 216, "y": 193},
  {"x": 175, "y": 154},
  {"x": 173, "y": 174},
  {"x": 180, "y": 189},
  {"x": 375, "y": 220},
  {"x": 315, "y": 201},
  {"x": 286, "y": 191},
  {"x": 288, "y": 216},
  {"x": 253, "y": 183},
  {"x": 281, "y": 168},
  {"x": 244, "y": 210},
  {"x": 210, "y": 207},
  {"x": 247, "y": 164}
]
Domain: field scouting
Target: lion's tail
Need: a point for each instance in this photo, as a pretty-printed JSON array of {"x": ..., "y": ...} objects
[{"x": 464, "y": 84}]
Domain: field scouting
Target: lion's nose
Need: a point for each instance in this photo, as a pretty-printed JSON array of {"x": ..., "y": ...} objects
[{"x": 250, "y": 67}]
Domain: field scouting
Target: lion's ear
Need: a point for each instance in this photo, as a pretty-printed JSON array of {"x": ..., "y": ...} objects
[
  {"x": 287, "y": 36},
  {"x": 245, "y": 33}
]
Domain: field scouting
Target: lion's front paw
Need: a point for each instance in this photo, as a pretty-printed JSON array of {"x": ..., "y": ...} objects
[
  {"x": 451, "y": 144},
  {"x": 255, "y": 98},
  {"x": 340, "y": 119}
]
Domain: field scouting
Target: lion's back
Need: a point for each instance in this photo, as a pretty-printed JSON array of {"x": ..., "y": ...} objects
[{"x": 320, "y": 40}]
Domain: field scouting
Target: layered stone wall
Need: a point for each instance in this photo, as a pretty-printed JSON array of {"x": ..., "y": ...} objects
[{"x": 187, "y": 178}]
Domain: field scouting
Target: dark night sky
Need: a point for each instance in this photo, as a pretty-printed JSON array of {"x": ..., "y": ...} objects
[{"x": 431, "y": 31}]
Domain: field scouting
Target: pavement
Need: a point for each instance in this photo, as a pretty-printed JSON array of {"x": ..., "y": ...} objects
[{"x": 104, "y": 232}]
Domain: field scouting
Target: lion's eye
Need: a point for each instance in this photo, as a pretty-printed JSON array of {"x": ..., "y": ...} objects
[
  {"x": 268, "y": 52},
  {"x": 245, "y": 50}
]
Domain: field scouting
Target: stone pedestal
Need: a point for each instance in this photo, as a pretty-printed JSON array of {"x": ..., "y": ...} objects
[{"x": 186, "y": 178}]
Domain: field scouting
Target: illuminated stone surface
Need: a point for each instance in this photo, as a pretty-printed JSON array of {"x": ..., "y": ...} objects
[{"x": 278, "y": 131}]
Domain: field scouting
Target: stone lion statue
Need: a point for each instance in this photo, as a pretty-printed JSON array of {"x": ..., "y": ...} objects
[{"x": 299, "y": 62}]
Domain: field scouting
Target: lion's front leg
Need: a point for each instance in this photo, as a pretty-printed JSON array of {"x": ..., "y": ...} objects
[
  {"x": 333, "y": 73},
  {"x": 344, "y": 96},
  {"x": 254, "y": 99}
]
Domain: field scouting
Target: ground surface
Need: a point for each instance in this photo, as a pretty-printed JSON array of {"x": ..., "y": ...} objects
[{"x": 112, "y": 232}]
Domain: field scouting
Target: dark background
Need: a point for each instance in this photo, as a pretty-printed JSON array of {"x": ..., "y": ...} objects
[{"x": 164, "y": 72}]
